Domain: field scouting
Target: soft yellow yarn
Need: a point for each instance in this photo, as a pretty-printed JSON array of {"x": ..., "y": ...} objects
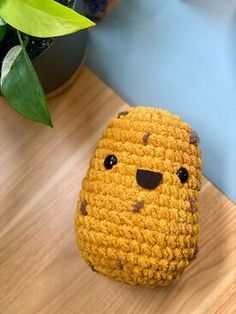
[{"x": 152, "y": 242}]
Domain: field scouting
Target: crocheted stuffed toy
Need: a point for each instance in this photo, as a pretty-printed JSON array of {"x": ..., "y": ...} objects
[{"x": 137, "y": 218}]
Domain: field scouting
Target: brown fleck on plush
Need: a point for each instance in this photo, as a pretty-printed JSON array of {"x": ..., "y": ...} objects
[
  {"x": 83, "y": 207},
  {"x": 194, "y": 139},
  {"x": 138, "y": 206},
  {"x": 193, "y": 205},
  {"x": 119, "y": 265},
  {"x": 146, "y": 138},
  {"x": 122, "y": 113}
]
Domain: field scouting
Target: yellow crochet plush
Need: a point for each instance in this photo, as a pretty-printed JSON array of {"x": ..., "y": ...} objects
[{"x": 137, "y": 218}]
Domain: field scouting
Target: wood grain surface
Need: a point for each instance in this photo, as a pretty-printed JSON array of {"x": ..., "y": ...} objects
[{"x": 40, "y": 268}]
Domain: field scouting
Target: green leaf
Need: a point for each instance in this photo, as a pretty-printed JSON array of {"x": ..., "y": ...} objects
[
  {"x": 42, "y": 18},
  {"x": 21, "y": 87},
  {"x": 3, "y": 28},
  {"x": 2, "y": 22}
]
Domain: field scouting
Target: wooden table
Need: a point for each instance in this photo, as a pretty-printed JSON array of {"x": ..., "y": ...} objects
[{"x": 40, "y": 268}]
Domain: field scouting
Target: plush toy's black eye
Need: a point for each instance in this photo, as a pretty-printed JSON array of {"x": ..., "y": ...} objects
[
  {"x": 182, "y": 173},
  {"x": 110, "y": 161}
]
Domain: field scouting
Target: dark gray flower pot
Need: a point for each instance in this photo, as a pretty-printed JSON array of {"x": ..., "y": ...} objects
[{"x": 57, "y": 64}]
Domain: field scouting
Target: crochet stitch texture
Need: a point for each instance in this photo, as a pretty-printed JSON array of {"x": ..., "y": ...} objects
[{"x": 126, "y": 228}]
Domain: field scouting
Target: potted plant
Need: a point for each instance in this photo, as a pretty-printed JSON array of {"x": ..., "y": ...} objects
[{"x": 27, "y": 29}]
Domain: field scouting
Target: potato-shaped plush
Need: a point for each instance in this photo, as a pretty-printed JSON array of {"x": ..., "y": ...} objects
[{"x": 137, "y": 218}]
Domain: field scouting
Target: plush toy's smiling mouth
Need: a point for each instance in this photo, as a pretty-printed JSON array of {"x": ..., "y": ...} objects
[{"x": 148, "y": 179}]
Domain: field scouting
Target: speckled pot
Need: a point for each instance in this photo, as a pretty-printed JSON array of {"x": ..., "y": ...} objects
[{"x": 57, "y": 64}]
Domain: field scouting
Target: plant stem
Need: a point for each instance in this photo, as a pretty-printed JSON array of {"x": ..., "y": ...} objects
[{"x": 20, "y": 39}]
